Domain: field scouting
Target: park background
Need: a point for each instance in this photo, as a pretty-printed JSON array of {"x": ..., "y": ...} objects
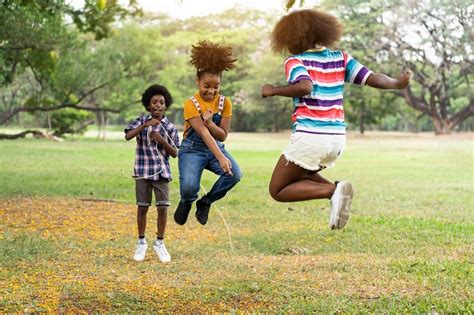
[{"x": 71, "y": 78}]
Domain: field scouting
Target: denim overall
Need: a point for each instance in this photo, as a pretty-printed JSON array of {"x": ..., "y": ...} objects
[{"x": 194, "y": 156}]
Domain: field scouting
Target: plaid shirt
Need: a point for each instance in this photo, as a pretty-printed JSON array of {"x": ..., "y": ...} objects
[{"x": 151, "y": 159}]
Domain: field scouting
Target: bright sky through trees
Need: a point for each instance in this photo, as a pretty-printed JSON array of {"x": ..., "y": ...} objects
[{"x": 183, "y": 9}]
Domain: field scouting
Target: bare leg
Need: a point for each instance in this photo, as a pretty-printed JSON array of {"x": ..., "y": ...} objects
[
  {"x": 316, "y": 177},
  {"x": 161, "y": 221},
  {"x": 141, "y": 220},
  {"x": 290, "y": 182}
]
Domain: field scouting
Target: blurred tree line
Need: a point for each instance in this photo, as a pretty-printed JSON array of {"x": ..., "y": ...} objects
[{"x": 64, "y": 68}]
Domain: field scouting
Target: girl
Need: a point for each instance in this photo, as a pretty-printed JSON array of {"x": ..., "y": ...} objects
[
  {"x": 207, "y": 118},
  {"x": 316, "y": 77}
]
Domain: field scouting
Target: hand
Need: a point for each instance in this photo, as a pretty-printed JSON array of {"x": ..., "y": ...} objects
[
  {"x": 157, "y": 137},
  {"x": 151, "y": 122},
  {"x": 267, "y": 90},
  {"x": 207, "y": 116},
  {"x": 403, "y": 79},
  {"x": 226, "y": 165}
]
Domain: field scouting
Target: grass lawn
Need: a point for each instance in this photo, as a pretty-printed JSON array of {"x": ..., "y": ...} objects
[{"x": 407, "y": 248}]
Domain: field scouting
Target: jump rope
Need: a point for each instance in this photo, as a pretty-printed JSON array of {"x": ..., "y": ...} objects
[{"x": 229, "y": 235}]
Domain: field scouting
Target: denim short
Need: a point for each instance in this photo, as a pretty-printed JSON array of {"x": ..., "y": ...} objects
[
  {"x": 314, "y": 151},
  {"x": 143, "y": 191}
]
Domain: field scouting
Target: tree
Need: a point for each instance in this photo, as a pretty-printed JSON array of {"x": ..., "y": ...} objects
[
  {"x": 363, "y": 106},
  {"x": 79, "y": 78},
  {"x": 30, "y": 31},
  {"x": 34, "y": 38},
  {"x": 97, "y": 16},
  {"x": 242, "y": 84},
  {"x": 431, "y": 38},
  {"x": 274, "y": 113},
  {"x": 440, "y": 54}
]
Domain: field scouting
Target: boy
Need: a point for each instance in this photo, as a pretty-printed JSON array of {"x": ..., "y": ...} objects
[{"x": 157, "y": 139}]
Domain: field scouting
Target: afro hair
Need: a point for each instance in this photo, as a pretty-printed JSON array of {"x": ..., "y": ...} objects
[
  {"x": 304, "y": 29},
  {"x": 211, "y": 57}
]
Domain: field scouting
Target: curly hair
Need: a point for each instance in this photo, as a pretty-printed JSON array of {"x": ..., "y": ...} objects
[
  {"x": 211, "y": 57},
  {"x": 304, "y": 29},
  {"x": 153, "y": 90}
]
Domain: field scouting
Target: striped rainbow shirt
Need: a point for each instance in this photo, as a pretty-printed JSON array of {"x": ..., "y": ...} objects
[{"x": 321, "y": 111}]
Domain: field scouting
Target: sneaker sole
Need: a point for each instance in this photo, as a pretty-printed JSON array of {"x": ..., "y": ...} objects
[{"x": 347, "y": 193}]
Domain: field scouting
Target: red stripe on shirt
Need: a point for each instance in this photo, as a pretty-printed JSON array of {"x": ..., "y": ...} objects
[
  {"x": 327, "y": 77},
  {"x": 334, "y": 113}
]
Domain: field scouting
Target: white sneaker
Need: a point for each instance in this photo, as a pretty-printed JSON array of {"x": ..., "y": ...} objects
[
  {"x": 161, "y": 251},
  {"x": 140, "y": 251},
  {"x": 341, "y": 205}
]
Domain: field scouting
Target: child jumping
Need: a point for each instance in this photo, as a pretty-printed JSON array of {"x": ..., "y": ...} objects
[
  {"x": 157, "y": 140},
  {"x": 316, "y": 76},
  {"x": 207, "y": 117}
]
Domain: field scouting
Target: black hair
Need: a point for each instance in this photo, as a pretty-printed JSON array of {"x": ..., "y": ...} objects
[{"x": 153, "y": 90}]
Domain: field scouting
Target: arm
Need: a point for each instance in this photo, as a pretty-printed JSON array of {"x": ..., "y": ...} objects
[
  {"x": 171, "y": 150},
  {"x": 135, "y": 132},
  {"x": 382, "y": 81},
  {"x": 218, "y": 132},
  {"x": 298, "y": 89},
  {"x": 198, "y": 125}
]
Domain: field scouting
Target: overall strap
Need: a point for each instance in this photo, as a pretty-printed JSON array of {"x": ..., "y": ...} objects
[
  {"x": 196, "y": 103},
  {"x": 221, "y": 104}
]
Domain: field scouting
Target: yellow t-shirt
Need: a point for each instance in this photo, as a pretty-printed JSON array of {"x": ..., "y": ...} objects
[{"x": 190, "y": 110}]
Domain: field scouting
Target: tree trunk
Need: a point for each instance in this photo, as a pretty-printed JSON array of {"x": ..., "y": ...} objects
[
  {"x": 441, "y": 127},
  {"x": 103, "y": 122},
  {"x": 35, "y": 133},
  {"x": 48, "y": 115},
  {"x": 99, "y": 124},
  {"x": 361, "y": 120}
]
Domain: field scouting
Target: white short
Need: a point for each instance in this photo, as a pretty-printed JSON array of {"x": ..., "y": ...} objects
[{"x": 314, "y": 151}]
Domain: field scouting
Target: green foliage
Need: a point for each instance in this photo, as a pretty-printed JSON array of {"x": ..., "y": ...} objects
[
  {"x": 67, "y": 64},
  {"x": 170, "y": 59},
  {"x": 69, "y": 120},
  {"x": 29, "y": 31},
  {"x": 97, "y": 16},
  {"x": 46, "y": 63},
  {"x": 290, "y": 3}
]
